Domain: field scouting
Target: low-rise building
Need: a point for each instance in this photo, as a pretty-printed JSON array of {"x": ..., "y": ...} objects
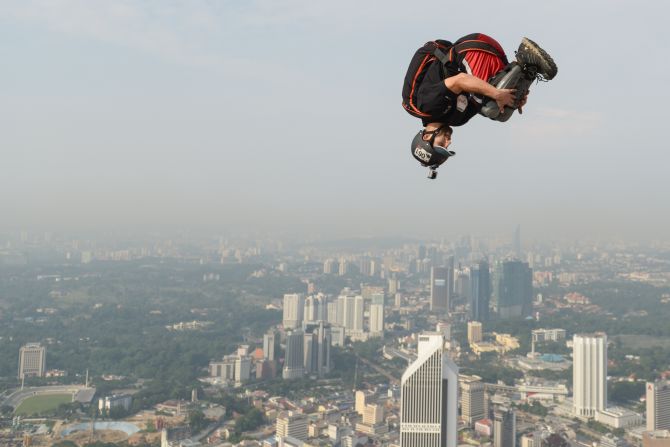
[
  {"x": 115, "y": 401},
  {"x": 618, "y": 417}
]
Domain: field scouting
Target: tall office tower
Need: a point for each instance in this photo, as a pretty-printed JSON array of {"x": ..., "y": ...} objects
[
  {"x": 242, "y": 369},
  {"x": 331, "y": 312},
  {"x": 330, "y": 267},
  {"x": 516, "y": 291},
  {"x": 373, "y": 414},
  {"x": 293, "y": 425},
  {"x": 480, "y": 292},
  {"x": 317, "y": 341},
  {"x": 361, "y": 401},
  {"x": 311, "y": 309},
  {"x": 269, "y": 346},
  {"x": 394, "y": 285},
  {"x": 504, "y": 427},
  {"x": 294, "y": 306},
  {"x": 475, "y": 332},
  {"x": 421, "y": 252},
  {"x": 462, "y": 284},
  {"x": 398, "y": 300},
  {"x": 322, "y": 307},
  {"x": 472, "y": 401},
  {"x": 376, "y": 320},
  {"x": 429, "y": 397},
  {"x": 439, "y": 292},
  {"x": 294, "y": 358},
  {"x": 32, "y": 360},
  {"x": 359, "y": 308},
  {"x": 377, "y": 296},
  {"x": 343, "y": 267},
  {"x": 364, "y": 266},
  {"x": 658, "y": 405},
  {"x": 589, "y": 375},
  {"x": 517, "y": 242}
]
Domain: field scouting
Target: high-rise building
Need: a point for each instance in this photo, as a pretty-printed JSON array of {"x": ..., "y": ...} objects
[
  {"x": 475, "y": 332},
  {"x": 344, "y": 267},
  {"x": 294, "y": 359},
  {"x": 330, "y": 267},
  {"x": 589, "y": 376},
  {"x": 376, "y": 320},
  {"x": 269, "y": 346},
  {"x": 472, "y": 400},
  {"x": 316, "y": 348},
  {"x": 516, "y": 290},
  {"x": 373, "y": 414},
  {"x": 362, "y": 398},
  {"x": 294, "y": 306},
  {"x": 504, "y": 427},
  {"x": 429, "y": 397},
  {"x": 350, "y": 312},
  {"x": 293, "y": 425},
  {"x": 439, "y": 292},
  {"x": 480, "y": 291},
  {"x": 32, "y": 360},
  {"x": 309, "y": 314},
  {"x": 658, "y": 405}
]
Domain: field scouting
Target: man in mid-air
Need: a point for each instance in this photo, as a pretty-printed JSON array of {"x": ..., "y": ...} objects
[{"x": 447, "y": 84}]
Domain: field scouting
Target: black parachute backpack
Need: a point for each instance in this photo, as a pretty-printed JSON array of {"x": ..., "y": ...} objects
[
  {"x": 444, "y": 52},
  {"x": 439, "y": 50}
]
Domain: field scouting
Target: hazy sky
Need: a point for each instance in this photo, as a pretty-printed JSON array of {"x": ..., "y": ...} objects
[{"x": 286, "y": 114}]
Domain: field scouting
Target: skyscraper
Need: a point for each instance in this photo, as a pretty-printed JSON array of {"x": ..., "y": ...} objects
[
  {"x": 294, "y": 358},
  {"x": 429, "y": 397},
  {"x": 316, "y": 348},
  {"x": 350, "y": 312},
  {"x": 589, "y": 376},
  {"x": 480, "y": 292},
  {"x": 439, "y": 292},
  {"x": 504, "y": 427},
  {"x": 269, "y": 346},
  {"x": 472, "y": 400},
  {"x": 294, "y": 306},
  {"x": 377, "y": 320},
  {"x": 658, "y": 405},
  {"x": 516, "y": 290},
  {"x": 32, "y": 360}
]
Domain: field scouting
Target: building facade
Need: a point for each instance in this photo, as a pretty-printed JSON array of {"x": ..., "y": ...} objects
[
  {"x": 516, "y": 290},
  {"x": 658, "y": 405},
  {"x": 294, "y": 306},
  {"x": 32, "y": 360},
  {"x": 504, "y": 427},
  {"x": 589, "y": 377},
  {"x": 429, "y": 397},
  {"x": 472, "y": 401}
]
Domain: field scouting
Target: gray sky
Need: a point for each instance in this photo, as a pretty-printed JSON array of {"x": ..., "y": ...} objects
[{"x": 286, "y": 114}]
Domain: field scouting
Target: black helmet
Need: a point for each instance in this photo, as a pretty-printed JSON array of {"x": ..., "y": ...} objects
[{"x": 427, "y": 154}]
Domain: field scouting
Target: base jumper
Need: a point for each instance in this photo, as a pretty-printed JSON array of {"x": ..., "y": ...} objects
[{"x": 448, "y": 83}]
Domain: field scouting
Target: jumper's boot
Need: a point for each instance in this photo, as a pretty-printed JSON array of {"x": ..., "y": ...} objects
[{"x": 531, "y": 55}]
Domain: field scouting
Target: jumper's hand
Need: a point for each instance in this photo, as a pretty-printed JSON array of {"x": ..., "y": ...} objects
[
  {"x": 504, "y": 97},
  {"x": 523, "y": 102}
]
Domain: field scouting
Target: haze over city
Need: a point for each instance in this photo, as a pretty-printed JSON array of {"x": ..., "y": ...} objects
[
  {"x": 286, "y": 116},
  {"x": 213, "y": 234}
]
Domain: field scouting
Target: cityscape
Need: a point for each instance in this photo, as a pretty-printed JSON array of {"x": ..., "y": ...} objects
[
  {"x": 300, "y": 223},
  {"x": 225, "y": 341}
]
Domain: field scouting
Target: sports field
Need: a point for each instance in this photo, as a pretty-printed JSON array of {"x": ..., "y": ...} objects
[{"x": 44, "y": 403}]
